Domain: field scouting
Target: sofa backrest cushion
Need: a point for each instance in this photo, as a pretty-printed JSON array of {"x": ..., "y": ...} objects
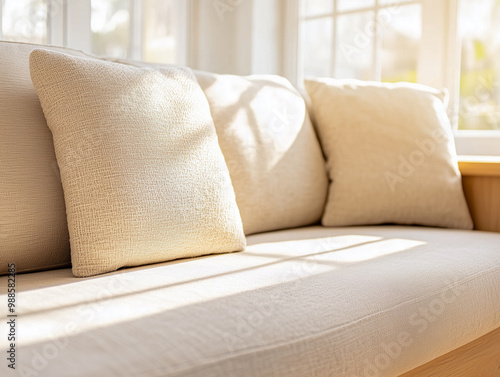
[
  {"x": 390, "y": 154},
  {"x": 33, "y": 228},
  {"x": 271, "y": 150},
  {"x": 143, "y": 176}
]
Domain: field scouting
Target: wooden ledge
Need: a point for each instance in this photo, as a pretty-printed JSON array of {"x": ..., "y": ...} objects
[
  {"x": 481, "y": 182},
  {"x": 479, "y": 165},
  {"x": 478, "y": 358}
]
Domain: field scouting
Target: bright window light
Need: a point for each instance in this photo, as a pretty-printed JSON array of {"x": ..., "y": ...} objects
[
  {"x": 148, "y": 30},
  {"x": 452, "y": 44},
  {"x": 480, "y": 68}
]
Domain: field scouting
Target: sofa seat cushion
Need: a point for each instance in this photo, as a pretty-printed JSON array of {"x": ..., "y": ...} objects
[{"x": 361, "y": 301}]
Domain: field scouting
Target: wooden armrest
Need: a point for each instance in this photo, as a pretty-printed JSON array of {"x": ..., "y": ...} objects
[{"x": 481, "y": 182}]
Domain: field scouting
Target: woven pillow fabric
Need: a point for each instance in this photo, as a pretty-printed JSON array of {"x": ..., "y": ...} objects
[
  {"x": 143, "y": 176},
  {"x": 33, "y": 227},
  {"x": 271, "y": 150},
  {"x": 390, "y": 154}
]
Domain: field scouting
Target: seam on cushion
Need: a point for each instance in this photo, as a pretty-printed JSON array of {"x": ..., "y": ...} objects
[
  {"x": 248, "y": 351},
  {"x": 42, "y": 269},
  {"x": 41, "y": 46},
  {"x": 69, "y": 49}
]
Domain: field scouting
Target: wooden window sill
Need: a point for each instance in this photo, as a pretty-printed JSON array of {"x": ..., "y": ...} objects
[
  {"x": 479, "y": 166},
  {"x": 481, "y": 182}
]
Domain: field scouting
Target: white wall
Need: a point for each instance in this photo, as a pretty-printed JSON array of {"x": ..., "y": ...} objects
[{"x": 238, "y": 36}]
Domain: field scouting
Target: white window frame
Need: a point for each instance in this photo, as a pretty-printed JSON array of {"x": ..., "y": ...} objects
[
  {"x": 68, "y": 25},
  {"x": 1, "y": 17},
  {"x": 439, "y": 62}
]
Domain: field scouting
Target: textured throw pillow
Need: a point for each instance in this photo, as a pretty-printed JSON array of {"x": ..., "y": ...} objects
[
  {"x": 143, "y": 176},
  {"x": 271, "y": 150},
  {"x": 390, "y": 154},
  {"x": 33, "y": 227}
]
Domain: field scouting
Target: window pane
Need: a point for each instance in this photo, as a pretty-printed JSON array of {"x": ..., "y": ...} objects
[
  {"x": 110, "y": 25},
  {"x": 317, "y": 45},
  {"x": 343, "y": 5},
  {"x": 159, "y": 31},
  {"x": 24, "y": 20},
  {"x": 401, "y": 34},
  {"x": 315, "y": 7},
  {"x": 393, "y": 3},
  {"x": 354, "y": 46},
  {"x": 480, "y": 73}
]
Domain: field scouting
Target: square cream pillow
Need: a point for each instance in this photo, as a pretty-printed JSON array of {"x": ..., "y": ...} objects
[
  {"x": 143, "y": 176},
  {"x": 390, "y": 154},
  {"x": 271, "y": 150}
]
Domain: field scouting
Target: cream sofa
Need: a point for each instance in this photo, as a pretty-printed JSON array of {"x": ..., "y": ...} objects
[{"x": 307, "y": 301}]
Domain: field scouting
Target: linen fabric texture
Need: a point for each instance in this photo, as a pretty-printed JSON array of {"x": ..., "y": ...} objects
[
  {"x": 33, "y": 227},
  {"x": 143, "y": 176},
  {"x": 390, "y": 154},
  {"x": 312, "y": 301},
  {"x": 271, "y": 150}
]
